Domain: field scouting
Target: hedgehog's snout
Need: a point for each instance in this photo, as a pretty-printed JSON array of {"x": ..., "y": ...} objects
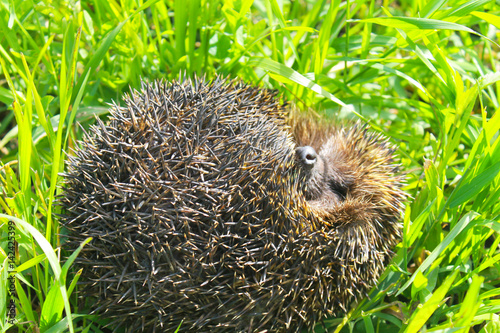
[
  {"x": 314, "y": 174},
  {"x": 307, "y": 156},
  {"x": 323, "y": 183}
]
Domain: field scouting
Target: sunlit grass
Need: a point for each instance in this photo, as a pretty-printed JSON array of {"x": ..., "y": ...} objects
[{"x": 426, "y": 74}]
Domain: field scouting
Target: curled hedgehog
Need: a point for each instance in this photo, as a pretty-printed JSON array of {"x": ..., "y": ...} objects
[{"x": 211, "y": 208}]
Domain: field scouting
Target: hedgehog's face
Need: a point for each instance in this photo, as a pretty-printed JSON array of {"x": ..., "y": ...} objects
[
  {"x": 351, "y": 179},
  {"x": 325, "y": 184}
]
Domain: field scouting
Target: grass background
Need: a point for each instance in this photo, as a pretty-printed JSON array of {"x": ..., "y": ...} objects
[{"x": 425, "y": 73}]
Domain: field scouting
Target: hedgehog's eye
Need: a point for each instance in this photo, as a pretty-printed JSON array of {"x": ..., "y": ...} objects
[
  {"x": 307, "y": 156},
  {"x": 339, "y": 189}
]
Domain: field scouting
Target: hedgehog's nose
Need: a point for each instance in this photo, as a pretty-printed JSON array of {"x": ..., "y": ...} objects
[{"x": 307, "y": 155}]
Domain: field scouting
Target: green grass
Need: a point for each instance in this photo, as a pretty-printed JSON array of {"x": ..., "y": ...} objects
[{"x": 427, "y": 74}]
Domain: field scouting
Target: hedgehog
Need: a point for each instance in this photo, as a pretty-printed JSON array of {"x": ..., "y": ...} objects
[{"x": 212, "y": 209}]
